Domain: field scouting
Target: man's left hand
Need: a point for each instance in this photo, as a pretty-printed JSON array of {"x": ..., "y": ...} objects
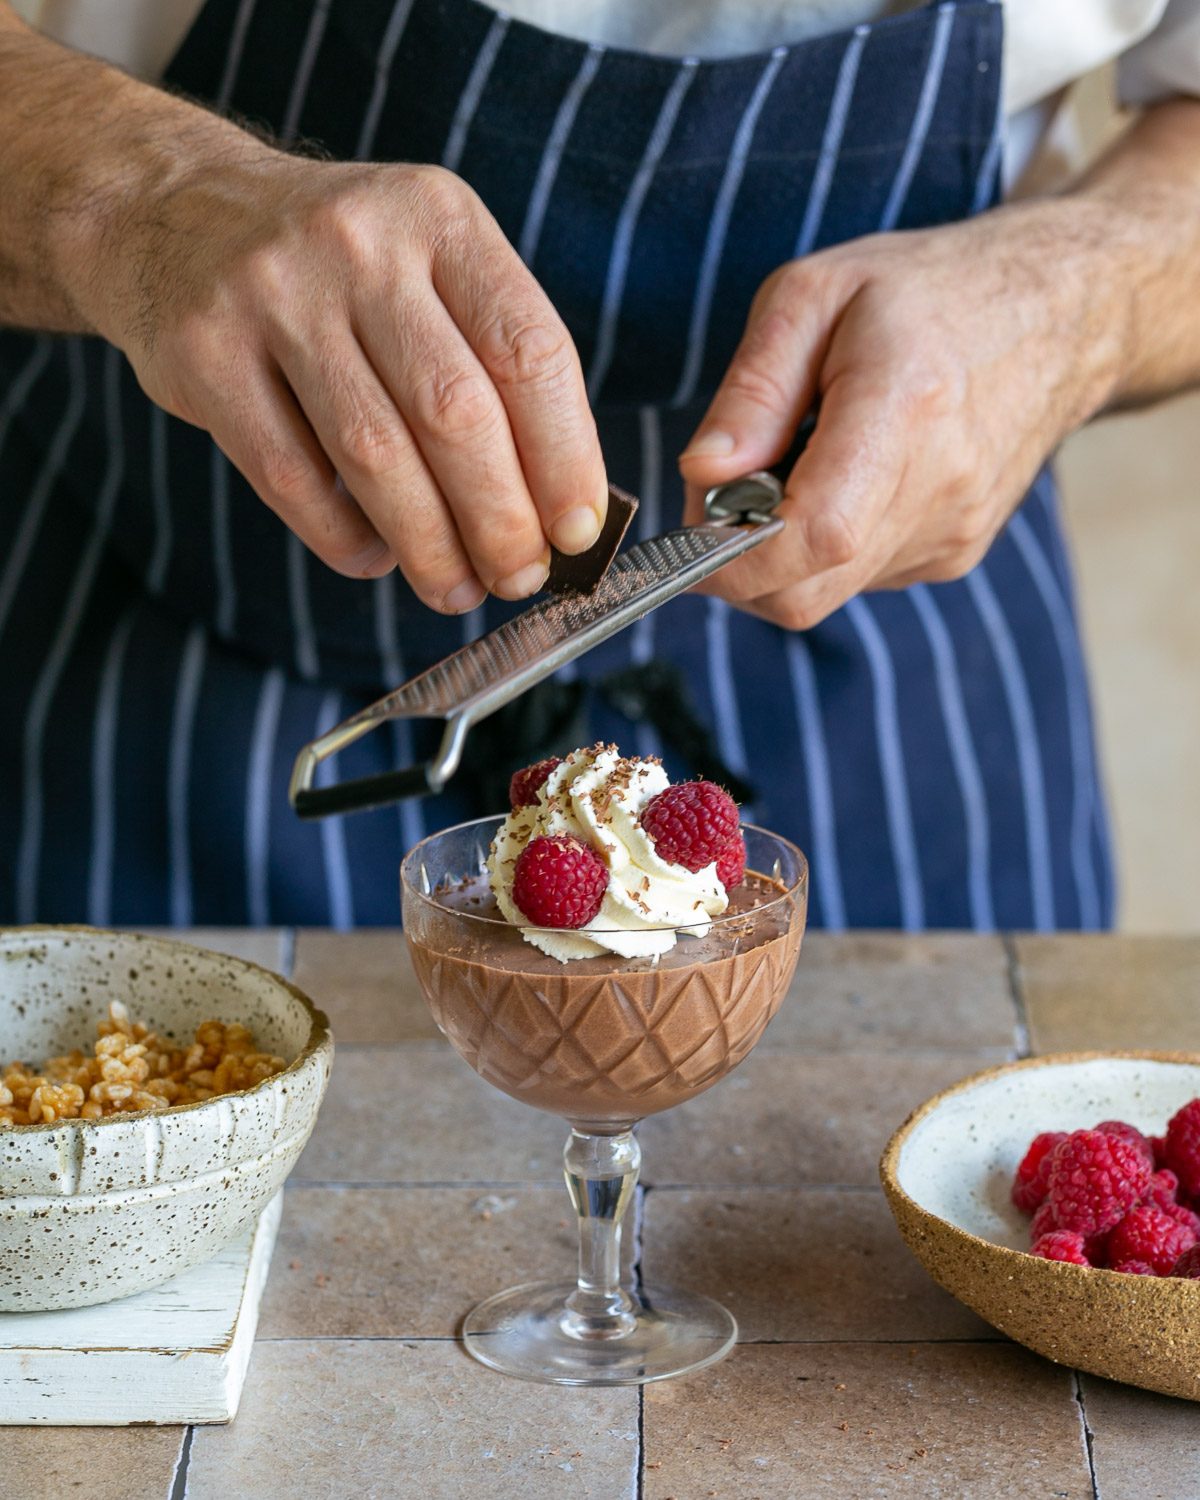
[{"x": 948, "y": 363}]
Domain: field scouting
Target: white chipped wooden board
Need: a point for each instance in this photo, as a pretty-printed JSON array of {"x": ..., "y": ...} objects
[{"x": 177, "y": 1353}]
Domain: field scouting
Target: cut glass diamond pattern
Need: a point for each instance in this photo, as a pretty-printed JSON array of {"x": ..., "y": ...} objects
[{"x": 607, "y": 1050}]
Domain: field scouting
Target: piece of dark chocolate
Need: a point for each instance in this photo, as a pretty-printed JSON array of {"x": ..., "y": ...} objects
[{"x": 585, "y": 570}]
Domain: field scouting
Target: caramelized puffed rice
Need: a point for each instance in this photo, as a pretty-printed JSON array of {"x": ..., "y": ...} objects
[{"x": 132, "y": 1068}]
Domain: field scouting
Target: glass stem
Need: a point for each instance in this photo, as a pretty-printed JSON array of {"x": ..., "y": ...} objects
[{"x": 601, "y": 1173}]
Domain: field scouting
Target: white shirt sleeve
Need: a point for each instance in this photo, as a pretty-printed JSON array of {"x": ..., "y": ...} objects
[{"x": 1167, "y": 61}]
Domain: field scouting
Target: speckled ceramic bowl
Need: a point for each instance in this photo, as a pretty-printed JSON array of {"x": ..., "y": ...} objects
[
  {"x": 91, "y": 1210},
  {"x": 947, "y": 1173}
]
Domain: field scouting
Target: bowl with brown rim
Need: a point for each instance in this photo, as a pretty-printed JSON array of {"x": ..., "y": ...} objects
[
  {"x": 92, "y": 1210},
  {"x": 947, "y": 1173}
]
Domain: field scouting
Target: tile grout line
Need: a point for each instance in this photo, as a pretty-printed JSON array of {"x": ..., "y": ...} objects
[
  {"x": 453, "y": 1338},
  {"x": 1086, "y": 1432},
  {"x": 640, "y": 1194},
  {"x": 640, "y": 1482},
  {"x": 179, "y": 1478},
  {"x": 550, "y": 1184},
  {"x": 1017, "y": 993},
  {"x": 800, "y": 1049}
]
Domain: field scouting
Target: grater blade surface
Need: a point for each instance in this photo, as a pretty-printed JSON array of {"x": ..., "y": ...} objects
[{"x": 484, "y": 675}]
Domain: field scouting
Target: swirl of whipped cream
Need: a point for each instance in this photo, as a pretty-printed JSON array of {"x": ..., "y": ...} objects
[{"x": 597, "y": 796}]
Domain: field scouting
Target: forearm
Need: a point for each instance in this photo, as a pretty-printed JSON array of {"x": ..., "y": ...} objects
[
  {"x": 1141, "y": 207},
  {"x": 82, "y": 144}
]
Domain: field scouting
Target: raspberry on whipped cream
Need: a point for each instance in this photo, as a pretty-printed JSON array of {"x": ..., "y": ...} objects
[{"x": 597, "y": 796}]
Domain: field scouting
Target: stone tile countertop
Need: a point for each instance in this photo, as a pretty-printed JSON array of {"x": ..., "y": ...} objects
[{"x": 855, "y": 1376}]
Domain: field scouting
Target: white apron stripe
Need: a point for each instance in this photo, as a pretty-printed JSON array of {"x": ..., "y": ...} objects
[
  {"x": 456, "y": 140},
  {"x": 472, "y": 92},
  {"x": 29, "y": 850},
  {"x": 1084, "y": 791},
  {"x": 991, "y": 160},
  {"x": 104, "y": 767},
  {"x": 258, "y": 798},
  {"x": 826, "y": 868},
  {"x": 35, "y": 506},
  {"x": 622, "y": 245},
  {"x": 302, "y": 620},
  {"x": 560, "y": 131},
  {"x": 300, "y": 606},
  {"x": 718, "y": 228},
  {"x": 233, "y": 58},
  {"x": 641, "y": 637},
  {"x": 831, "y": 143},
  {"x": 1043, "y": 491},
  {"x": 333, "y": 832},
  {"x": 218, "y": 463},
  {"x": 472, "y": 625},
  {"x": 222, "y": 549},
  {"x": 962, "y": 753},
  {"x": 179, "y": 773},
  {"x": 18, "y": 392},
  {"x": 891, "y": 763},
  {"x": 160, "y": 486},
  {"x": 412, "y": 828},
  {"x": 722, "y": 687},
  {"x": 926, "y": 102},
  {"x": 412, "y": 824},
  {"x": 397, "y": 21},
  {"x": 304, "y": 70},
  {"x": 1029, "y": 763}
]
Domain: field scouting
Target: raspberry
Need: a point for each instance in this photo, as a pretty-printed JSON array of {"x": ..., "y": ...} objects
[
  {"x": 1183, "y": 1216},
  {"x": 1093, "y": 1180},
  {"x": 559, "y": 882},
  {"x": 1188, "y": 1264},
  {"x": 1043, "y": 1222},
  {"x": 691, "y": 823},
  {"x": 731, "y": 863},
  {"x": 524, "y": 786},
  {"x": 1158, "y": 1144},
  {"x": 1061, "y": 1244},
  {"x": 1129, "y": 1133},
  {"x": 1136, "y": 1268},
  {"x": 1164, "y": 1189},
  {"x": 1029, "y": 1185},
  {"x": 1146, "y": 1233},
  {"x": 1182, "y": 1147}
]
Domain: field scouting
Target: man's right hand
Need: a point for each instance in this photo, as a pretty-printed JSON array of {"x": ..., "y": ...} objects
[{"x": 368, "y": 349}]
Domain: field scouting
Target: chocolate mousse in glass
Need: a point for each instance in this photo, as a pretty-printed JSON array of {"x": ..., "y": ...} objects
[{"x": 601, "y": 1039}]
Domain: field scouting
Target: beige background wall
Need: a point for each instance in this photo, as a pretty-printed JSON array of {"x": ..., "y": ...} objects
[{"x": 1131, "y": 488}]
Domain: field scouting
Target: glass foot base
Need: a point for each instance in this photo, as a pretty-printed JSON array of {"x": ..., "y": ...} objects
[{"x": 522, "y": 1332}]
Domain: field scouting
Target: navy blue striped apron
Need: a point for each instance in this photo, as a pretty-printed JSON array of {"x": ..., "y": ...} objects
[{"x": 167, "y": 645}]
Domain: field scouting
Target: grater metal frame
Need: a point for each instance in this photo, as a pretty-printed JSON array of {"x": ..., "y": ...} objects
[{"x": 483, "y": 676}]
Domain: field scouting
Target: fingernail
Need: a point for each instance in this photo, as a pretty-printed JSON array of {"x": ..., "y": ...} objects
[
  {"x": 465, "y": 596},
  {"x": 713, "y": 444},
  {"x": 368, "y": 560},
  {"x": 577, "y": 530},
  {"x": 523, "y": 582}
]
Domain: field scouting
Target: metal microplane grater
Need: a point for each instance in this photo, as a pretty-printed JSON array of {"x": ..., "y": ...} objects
[{"x": 480, "y": 678}]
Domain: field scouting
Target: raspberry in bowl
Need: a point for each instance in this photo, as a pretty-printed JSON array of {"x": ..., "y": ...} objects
[
  {"x": 584, "y": 955},
  {"x": 1032, "y": 1192}
]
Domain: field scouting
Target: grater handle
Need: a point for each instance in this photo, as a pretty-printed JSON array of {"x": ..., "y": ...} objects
[
  {"x": 366, "y": 791},
  {"x": 311, "y": 801}
]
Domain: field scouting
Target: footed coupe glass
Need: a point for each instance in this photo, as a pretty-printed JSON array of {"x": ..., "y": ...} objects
[{"x": 601, "y": 1042}]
